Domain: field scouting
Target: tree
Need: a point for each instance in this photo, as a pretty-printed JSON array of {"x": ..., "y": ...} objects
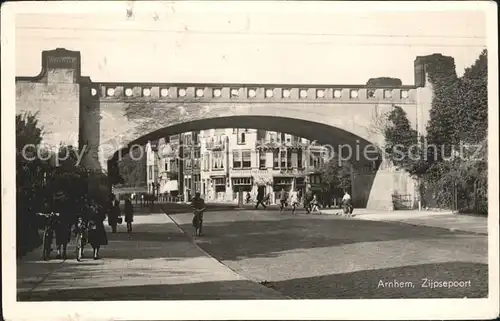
[
  {"x": 29, "y": 180},
  {"x": 335, "y": 176},
  {"x": 402, "y": 144},
  {"x": 132, "y": 168}
]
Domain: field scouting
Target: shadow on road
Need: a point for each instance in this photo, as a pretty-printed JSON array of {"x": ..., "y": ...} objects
[
  {"x": 223, "y": 290},
  {"x": 233, "y": 240},
  {"x": 366, "y": 284}
]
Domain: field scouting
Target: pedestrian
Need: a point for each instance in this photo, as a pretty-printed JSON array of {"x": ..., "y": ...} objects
[
  {"x": 96, "y": 232},
  {"x": 315, "y": 204},
  {"x": 308, "y": 197},
  {"x": 249, "y": 198},
  {"x": 142, "y": 200},
  {"x": 260, "y": 198},
  {"x": 282, "y": 200},
  {"x": 294, "y": 200},
  {"x": 129, "y": 215},
  {"x": 63, "y": 223},
  {"x": 114, "y": 214}
]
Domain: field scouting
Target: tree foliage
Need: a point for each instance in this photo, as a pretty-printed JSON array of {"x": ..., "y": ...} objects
[
  {"x": 442, "y": 128},
  {"x": 473, "y": 102},
  {"x": 132, "y": 168},
  {"x": 335, "y": 175}
]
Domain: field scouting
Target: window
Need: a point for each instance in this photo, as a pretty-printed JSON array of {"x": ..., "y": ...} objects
[
  {"x": 289, "y": 158},
  {"x": 166, "y": 166},
  {"x": 197, "y": 153},
  {"x": 262, "y": 159},
  {"x": 261, "y": 134},
  {"x": 218, "y": 160},
  {"x": 315, "y": 179},
  {"x": 283, "y": 137},
  {"x": 187, "y": 159},
  {"x": 315, "y": 160},
  {"x": 276, "y": 158},
  {"x": 173, "y": 165},
  {"x": 242, "y": 181},
  {"x": 219, "y": 181},
  {"x": 241, "y": 137},
  {"x": 236, "y": 159},
  {"x": 206, "y": 161},
  {"x": 247, "y": 159},
  {"x": 283, "y": 159},
  {"x": 299, "y": 158}
]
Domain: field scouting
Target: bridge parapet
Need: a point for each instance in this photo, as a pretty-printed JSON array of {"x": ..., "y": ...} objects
[{"x": 248, "y": 93}]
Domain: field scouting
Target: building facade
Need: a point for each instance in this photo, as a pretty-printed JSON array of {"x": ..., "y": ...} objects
[{"x": 219, "y": 163}]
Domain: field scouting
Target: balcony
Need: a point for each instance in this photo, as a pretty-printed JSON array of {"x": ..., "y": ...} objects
[
  {"x": 289, "y": 172},
  {"x": 172, "y": 174},
  {"x": 215, "y": 145},
  {"x": 275, "y": 144}
]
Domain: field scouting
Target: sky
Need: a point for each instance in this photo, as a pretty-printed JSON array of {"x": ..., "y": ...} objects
[{"x": 301, "y": 43}]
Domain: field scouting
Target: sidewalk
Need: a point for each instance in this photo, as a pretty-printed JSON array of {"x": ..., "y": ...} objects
[
  {"x": 440, "y": 219},
  {"x": 158, "y": 263}
]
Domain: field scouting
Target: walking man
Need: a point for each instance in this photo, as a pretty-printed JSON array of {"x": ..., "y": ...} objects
[
  {"x": 260, "y": 198},
  {"x": 308, "y": 197}
]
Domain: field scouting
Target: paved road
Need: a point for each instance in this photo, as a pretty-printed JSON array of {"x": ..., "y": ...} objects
[
  {"x": 158, "y": 263},
  {"x": 325, "y": 256}
]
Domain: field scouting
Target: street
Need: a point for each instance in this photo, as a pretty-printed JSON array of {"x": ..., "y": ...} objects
[{"x": 262, "y": 254}]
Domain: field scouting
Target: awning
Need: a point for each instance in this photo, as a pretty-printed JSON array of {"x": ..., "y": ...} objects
[
  {"x": 218, "y": 176},
  {"x": 170, "y": 186}
]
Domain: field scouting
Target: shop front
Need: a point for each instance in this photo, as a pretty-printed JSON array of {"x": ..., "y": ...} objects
[
  {"x": 218, "y": 187},
  {"x": 244, "y": 184},
  {"x": 282, "y": 182}
]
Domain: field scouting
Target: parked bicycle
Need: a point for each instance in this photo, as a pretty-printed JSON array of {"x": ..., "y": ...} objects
[{"x": 50, "y": 222}]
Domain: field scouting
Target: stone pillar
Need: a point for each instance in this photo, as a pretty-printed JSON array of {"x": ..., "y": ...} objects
[{"x": 55, "y": 95}]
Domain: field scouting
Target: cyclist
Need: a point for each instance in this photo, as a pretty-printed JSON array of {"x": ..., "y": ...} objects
[
  {"x": 346, "y": 200},
  {"x": 198, "y": 205}
]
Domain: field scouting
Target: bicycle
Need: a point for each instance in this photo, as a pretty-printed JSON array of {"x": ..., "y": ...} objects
[
  {"x": 81, "y": 238},
  {"x": 348, "y": 209},
  {"x": 48, "y": 233}
]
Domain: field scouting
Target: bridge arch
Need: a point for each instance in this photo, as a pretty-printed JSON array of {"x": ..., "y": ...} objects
[{"x": 106, "y": 117}]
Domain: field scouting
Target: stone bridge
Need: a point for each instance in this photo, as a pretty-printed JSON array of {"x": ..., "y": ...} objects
[{"x": 106, "y": 118}]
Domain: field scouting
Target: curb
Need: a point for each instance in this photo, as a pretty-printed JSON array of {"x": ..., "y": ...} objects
[{"x": 191, "y": 239}]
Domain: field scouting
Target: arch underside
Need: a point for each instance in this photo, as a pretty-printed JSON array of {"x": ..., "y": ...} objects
[{"x": 321, "y": 133}]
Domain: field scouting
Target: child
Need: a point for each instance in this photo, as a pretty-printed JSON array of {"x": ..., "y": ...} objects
[{"x": 294, "y": 201}]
